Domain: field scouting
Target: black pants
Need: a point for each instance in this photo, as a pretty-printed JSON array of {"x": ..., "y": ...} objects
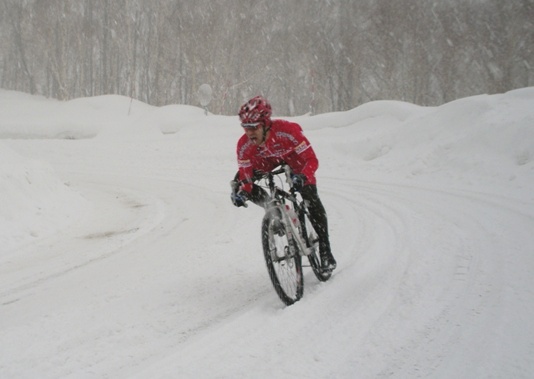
[{"x": 317, "y": 212}]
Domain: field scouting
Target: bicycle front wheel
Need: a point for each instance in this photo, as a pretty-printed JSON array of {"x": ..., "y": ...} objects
[{"x": 282, "y": 257}]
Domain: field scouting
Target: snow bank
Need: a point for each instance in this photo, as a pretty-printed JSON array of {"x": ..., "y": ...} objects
[
  {"x": 172, "y": 118},
  {"x": 387, "y": 111},
  {"x": 483, "y": 139},
  {"x": 33, "y": 201},
  {"x": 25, "y": 116}
]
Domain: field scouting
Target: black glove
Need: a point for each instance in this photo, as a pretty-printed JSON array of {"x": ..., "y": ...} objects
[
  {"x": 298, "y": 181},
  {"x": 239, "y": 198}
]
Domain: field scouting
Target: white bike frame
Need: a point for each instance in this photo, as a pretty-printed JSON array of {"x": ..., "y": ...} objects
[{"x": 289, "y": 217}]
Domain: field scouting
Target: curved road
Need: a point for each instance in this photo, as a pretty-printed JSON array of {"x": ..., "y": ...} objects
[{"x": 163, "y": 278}]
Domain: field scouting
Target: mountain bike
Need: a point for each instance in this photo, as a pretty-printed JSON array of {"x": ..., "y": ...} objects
[{"x": 288, "y": 235}]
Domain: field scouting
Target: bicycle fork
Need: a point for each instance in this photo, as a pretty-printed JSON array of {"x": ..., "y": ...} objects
[{"x": 290, "y": 218}]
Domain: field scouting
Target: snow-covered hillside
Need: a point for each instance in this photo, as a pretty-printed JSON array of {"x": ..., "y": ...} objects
[{"x": 121, "y": 255}]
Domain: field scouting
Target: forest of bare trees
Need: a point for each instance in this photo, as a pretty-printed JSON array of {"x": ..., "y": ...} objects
[{"x": 305, "y": 55}]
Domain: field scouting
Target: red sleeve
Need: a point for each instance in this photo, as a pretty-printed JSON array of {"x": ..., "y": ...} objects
[
  {"x": 244, "y": 162},
  {"x": 305, "y": 154},
  {"x": 311, "y": 165}
]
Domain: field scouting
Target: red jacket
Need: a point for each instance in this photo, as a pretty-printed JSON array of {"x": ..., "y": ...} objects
[{"x": 285, "y": 143}]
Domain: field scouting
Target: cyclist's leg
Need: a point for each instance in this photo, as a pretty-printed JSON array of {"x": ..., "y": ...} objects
[
  {"x": 319, "y": 221},
  {"x": 318, "y": 216}
]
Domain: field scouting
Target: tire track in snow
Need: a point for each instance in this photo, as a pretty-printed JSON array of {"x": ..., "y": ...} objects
[
  {"x": 451, "y": 282},
  {"x": 119, "y": 216}
]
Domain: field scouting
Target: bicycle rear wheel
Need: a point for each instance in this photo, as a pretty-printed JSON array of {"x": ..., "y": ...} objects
[
  {"x": 283, "y": 260},
  {"x": 312, "y": 242}
]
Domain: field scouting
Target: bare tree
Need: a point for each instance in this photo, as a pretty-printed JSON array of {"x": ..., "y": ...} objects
[{"x": 306, "y": 55}]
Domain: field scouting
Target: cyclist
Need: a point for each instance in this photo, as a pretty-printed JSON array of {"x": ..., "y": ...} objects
[{"x": 266, "y": 144}]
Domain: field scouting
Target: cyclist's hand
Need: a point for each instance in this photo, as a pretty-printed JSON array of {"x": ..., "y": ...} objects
[
  {"x": 239, "y": 198},
  {"x": 298, "y": 181}
]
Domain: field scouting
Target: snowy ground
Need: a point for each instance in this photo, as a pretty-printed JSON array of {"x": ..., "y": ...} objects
[{"x": 122, "y": 257}]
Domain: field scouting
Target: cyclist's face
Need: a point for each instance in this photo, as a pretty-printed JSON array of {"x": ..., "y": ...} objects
[{"x": 255, "y": 134}]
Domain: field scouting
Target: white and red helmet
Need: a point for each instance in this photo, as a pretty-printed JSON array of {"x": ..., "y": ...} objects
[{"x": 255, "y": 110}]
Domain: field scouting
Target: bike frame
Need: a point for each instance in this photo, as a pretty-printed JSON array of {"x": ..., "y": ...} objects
[{"x": 278, "y": 202}]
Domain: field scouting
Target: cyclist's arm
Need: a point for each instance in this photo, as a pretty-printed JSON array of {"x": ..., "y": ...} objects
[
  {"x": 244, "y": 164},
  {"x": 246, "y": 175},
  {"x": 306, "y": 154},
  {"x": 311, "y": 165}
]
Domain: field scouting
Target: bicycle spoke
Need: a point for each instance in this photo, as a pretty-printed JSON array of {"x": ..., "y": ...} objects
[{"x": 282, "y": 258}]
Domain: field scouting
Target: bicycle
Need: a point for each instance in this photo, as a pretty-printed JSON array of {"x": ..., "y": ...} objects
[{"x": 288, "y": 235}]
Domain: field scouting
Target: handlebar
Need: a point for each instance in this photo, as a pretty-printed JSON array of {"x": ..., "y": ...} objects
[
  {"x": 281, "y": 170},
  {"x": 269, "y": 176},
  {"x": 259, "y": 175}
]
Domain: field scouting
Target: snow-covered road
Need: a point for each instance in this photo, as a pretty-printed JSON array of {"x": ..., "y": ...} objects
[{"x": 160, "y": 277}]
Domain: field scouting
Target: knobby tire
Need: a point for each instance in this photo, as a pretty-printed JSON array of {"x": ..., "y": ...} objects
[{"x": 283, "y": 260}]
